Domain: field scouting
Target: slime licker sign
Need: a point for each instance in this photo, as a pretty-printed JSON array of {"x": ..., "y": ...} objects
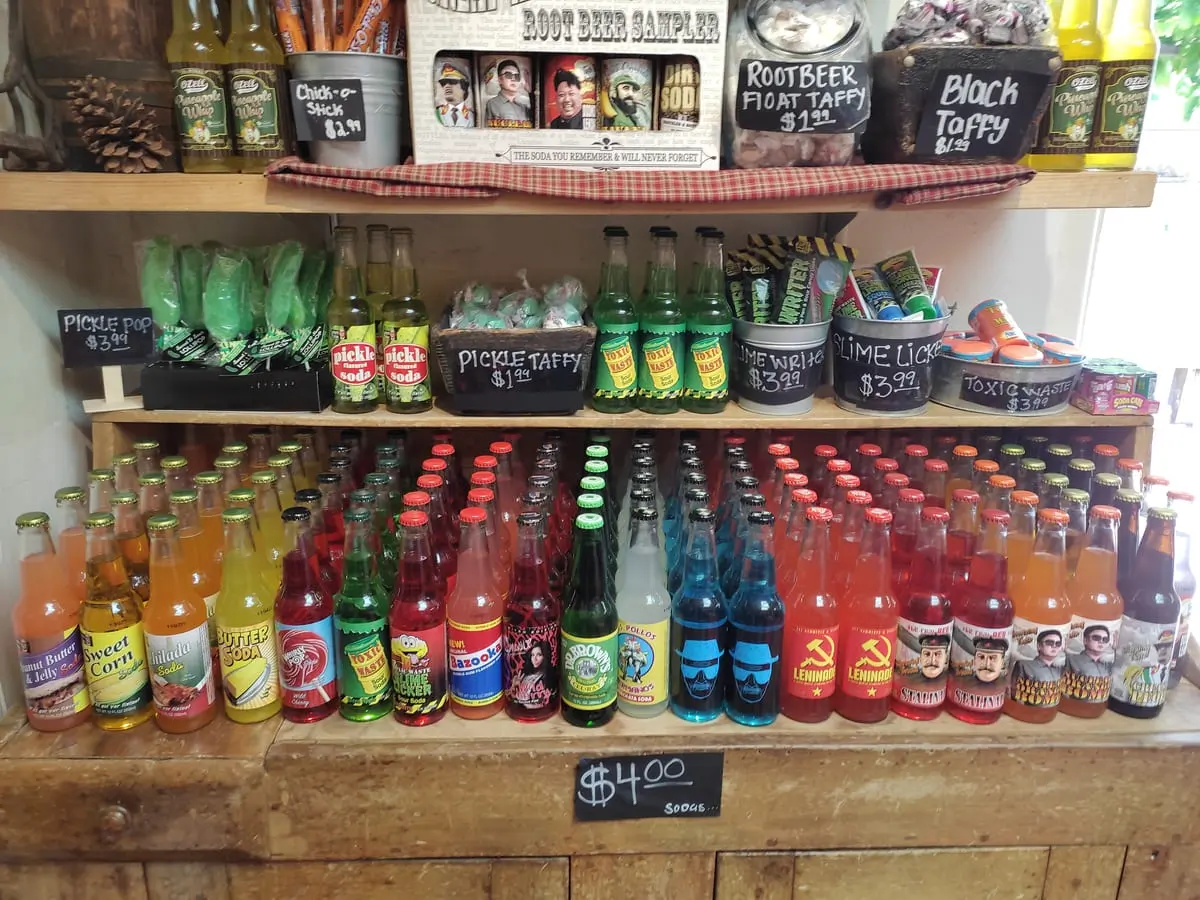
[{"x": 979, "y": 113}]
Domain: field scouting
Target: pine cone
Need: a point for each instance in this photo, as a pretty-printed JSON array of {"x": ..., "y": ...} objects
[{"x": 116, "y": 128}]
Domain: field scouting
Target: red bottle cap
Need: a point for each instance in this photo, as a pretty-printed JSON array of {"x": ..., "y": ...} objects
[
  {"x": 480, "y": 495},
  {"x": 414, "y": 518},
  {"x": 858, "y": 498},
  {"x": 429, "y": 482},
  {"x": 483, "y": 479},
  {"x": 966, "y": 451},
  {"x": 1156, "y": 479},
  {"x": 1105, "y": 450},
  {"x": 1053, "y": 516},
  {"x": 499, "y": 448},
  {"x": 433, "y": 465},
  {"x": 896, "y": 479},
  {"x": 935, "y": 514},
  {"x": 870, "y": 450},
  {"x": 818, "y": 514},
  {"x": 442, "y": 450},
  {"x": 779, "y": 450},
  {"x": 416, "y": 498},
  {"x": 804, "y": 495},
  {"x": 472, "y": 515},
  {"x": 847, "y": 481},
  {"x": 886, "y": 464},
  {"x": 916, "y": 450},
  {"x": 1004, "y": 482},
  {"x": 1181, "y": 495},
  {"x": 912, "y": 495},
  {"x": 486, "y": 462},
  {"x": 1105, "y": 512},
  {"x": 1133, "y": 465},
  {"x": 947, "y": 440},
  {"x": 936, "y": 465},
  {"x": 879, "y": 516},
  {"x": 996, "y": 515},
  {"x": 964, "y": 495},
  {"x": 734, "y": 440},
  {"x": 786, "y": 464},
  {"x": 795, "y": 480},
  {"x": 988, "y": 466},
  {"x": 1025, "y": 498},
  {"x": 838, "y": 466},
  {"x": 825, "y": 451}
]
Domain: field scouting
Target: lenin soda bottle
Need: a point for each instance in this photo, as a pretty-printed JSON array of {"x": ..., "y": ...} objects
[
  {"x": 699, "y": 626},
  {"x": 418, "y": 626},
  {"x": 531, "y": 625},
  {"x": 811, "y": 641},
  {"x": 360, "y": 627},
  {"x": 924, "y": 629},
  {"x": 755, "y": 630},
  {"x": 589, "y": 630}
]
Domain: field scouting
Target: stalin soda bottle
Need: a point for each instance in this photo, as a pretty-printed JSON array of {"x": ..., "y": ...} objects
[
  {"x": 352, "y": 354},
  {"x": 418, "y": 627},
  {"x": 924, "y": 629}
]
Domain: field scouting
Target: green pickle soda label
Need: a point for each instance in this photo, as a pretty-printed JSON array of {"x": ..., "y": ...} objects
[
  {"x": 353, "y": 363},
  {"x": 201, "y": 109},
  {"x": 1067, "y": 124},
  {"x": 117, "y": 676},
  {"x": 1122, "y": 108},
  {"x": 660, "y": 373},
  {"x": 616, "y": 361},
  {"x": 364, "y": 673},
  {"x": 254, "y": 96},
  {"x": 706, "y": 372},
  {"x": 642, "y": 653},
  {"x": 405, "y": 362},
  {"x": 589, "y": 679}
]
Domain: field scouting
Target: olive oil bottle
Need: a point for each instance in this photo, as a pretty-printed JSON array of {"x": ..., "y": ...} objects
[
  {"x": 257, "y": 87},
  {"x": 1130, "y": 51},
  {"x": 1066, "y": 127},
  {"x": 197, "y": 60}
]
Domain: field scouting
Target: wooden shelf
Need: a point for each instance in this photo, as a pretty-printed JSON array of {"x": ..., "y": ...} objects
[
  {"x": 86, "y": 192},
  {"x": 825, "y": 415}
]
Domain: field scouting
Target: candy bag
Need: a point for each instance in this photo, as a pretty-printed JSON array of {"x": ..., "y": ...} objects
[
  {"x": 191, "y": 286},
  {"x": 179, "y": 338},
  {"x": 227, "y": 312},
  {"x": 282, "y": 266}
]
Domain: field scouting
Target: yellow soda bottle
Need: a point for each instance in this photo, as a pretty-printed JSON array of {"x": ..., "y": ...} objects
[
  {"x": 1066, "y": 126},
  {"x": 1127, "y": 60},
  {"x": 246, "y": 626},
  {"x": 272, "y": 547}
]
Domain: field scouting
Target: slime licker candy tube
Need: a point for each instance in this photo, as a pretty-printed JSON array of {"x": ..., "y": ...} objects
[
  {"x": 992, "y": 322},
  {"x": 850, "y": 301},
  {"x": 878, "y": 295},
  {"x": 904, "y": 277}
]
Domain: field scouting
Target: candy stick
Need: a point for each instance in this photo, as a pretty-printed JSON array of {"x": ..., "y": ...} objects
[
  {"x": 318, "y": 24},
  {"x": 366, "y": 24},
  {"x": 399, "y": 30},
  {"x": 346, "y": 25},
  {"x": 383, "y": 37},
  {"x": 289, "y": 22}
]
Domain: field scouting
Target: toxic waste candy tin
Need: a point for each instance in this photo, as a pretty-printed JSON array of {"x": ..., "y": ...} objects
[
  {"x": 569, "y": 92},
  {"x": 627, "y": 94},
  {"x": 678, "y": 93},
  {"x": 506, "y": 90}
]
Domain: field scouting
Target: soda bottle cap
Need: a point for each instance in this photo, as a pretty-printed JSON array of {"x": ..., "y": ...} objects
[
  {"x": 275, "y": 460},
  {"x": 124, "y": 459},
  {"x": 1025, "y": 498},
  {"x": 946, "y": 440},
  {"x": 38, "y": 519},
  {"x": 296, "y": 447},
  {"x": 916, "y": 450},
  {"x": 592, "y": 483},
  {"x": 1156, "y": 479},
  {"x": 1128, "y": 495},
  {"x": 1182, "y": 496},
  {"x": 1053, "y": 516},
  {"x": 188, "y": 495},
  {"x": 735, "y": 440},
  {"x": 786, "y": 464},
  {"x": 224, "y": 461},
  {"x": 702, "y": 514},
  {"x": 207, "y": 478},
  {"x": 795, "y": 480},
  {"x": 499, "y": 448},
  {"x": 413, "y": 518},
  {"x": 597, "y": 467},
  {"x": 172, "y": 462},
  {"x": 986, "y": 466},
  {"x": 593, "y": 451},
  {"x": 804, "y": 495},
  {"x": 896, "y": 479},
  {"x": 151, "y": 444},
  {"x": 264, "y": 476},
  {"x": 878, "y": 516},
  {"x": 297, "y": 514},
  {"x": 886, "y": 464},
  {"x": 1012, "y": 450},
  {"x": 964, "y": 495},
  {"x": 1162, "y": 512},
  {"x": 966, "y": 451},
  {"x": 818, "y": 514},
  {"x": 416, "y": 498},
  {"x": 747, "y": 483},
  {"x": 483, "y": 479},
  {"x": 529, "y": 520},
  {"x": 486, "y": 462},
  {"x": 1075, "y": 495},
  {"x": 589, "y": 501},
  {"x": 1105, "y": 450},
  {"x": 1059, "y": 450},
  {"x": 645, "y": 514},
  {"x": 858, "y": 498},
  {"x": 434, "y": 465},
  {"x": 698, "y": 496},
  {"x": 236, "y": 448},
  {"x": 870, "y": 450},
  {"x": 429, "y": 482},
  {"x": 838, "y": 466},
  {"x": 378, "y": 479},
  {"x": 152, "y": 479},
  {"x": 1132, "y": 465},
  {"x": 912, "y": 495},
  {"x": 752, "y": 500},
  {"x": 589, "y": 521},
  {"x": 329, "y": 478},
  {"x": 825, "y": 451},
  {"x": 935, "y": 514},
  {"x": 936, "y": 465},
  {"x": 234, "y": 516},
  {"x": 1033, "y": 465},
  {"x": 779, "y": 450},
  {"x": 63, "y": 495},
  {"x": 760, "y": 517},
  {"x": 997, "y": 516},
  {"x": 740, "y": 465},
  {"x": 847, "y": 481},
  {"x": 129, "y": 498},
  {"x": 1055, "y": 480},
  {"x": 241, "y": 495},
  {"x": 1003, "y": 482},
  {"x": 1108, "y": 479},
  {"x": 480, "y": 495},
  {"x": 472, "y": 515},
  {"x": 307, "y": 495},
  {"x": 1082, "y": 465},
  {"x": 1106, "y": 512}
]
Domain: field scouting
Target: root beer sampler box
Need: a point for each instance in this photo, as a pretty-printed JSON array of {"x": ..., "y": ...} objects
[{"x": 617, "y": 84}]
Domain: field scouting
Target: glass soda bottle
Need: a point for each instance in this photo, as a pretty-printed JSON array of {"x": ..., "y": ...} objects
[
  {"x": 445, "y": 541},
  {"x": 474, "y": 616},
  {"x": 71, "y": 503},
  {"x": 662, "y": 331},
  {"x": 709, "y": 335},
  {"x": 270, "y": 524},
  {"x": 246, "y": 626},
  {"x": 789, "y": 541},
  {"x": 936, "y": 473},
  {"x": 699, "y": 627},
  {"x": 132, "y": 542},
  {"x": 962, "y": 471},
  {"x": 961, "y": 538},
  {"x": 1075, "y": 505},
  {"x": 1096, "y": 610},
  {"x": 1185, "y": 580},
  {"x": 867, "y": 628},
  {"x": 175, "y": 471},
  {"x": 101, "y": 485},
  {"x": 152, "y": 496},
  {"x": 1021, "y": 535},
  {"x": 1041, "y": 623},
  {"x": 210, "y": 505},
  {"x": 113, "y": 637},
  {"x": 983, "y": 629},
  {"x": 198, "y": 59},
  {"x": 182, "y": 679},
  {"x": 925, "y": 627},
  {"x": 352, "y": 353},
  {"x": 420, "y": 678},
  {"x": 756, "y": 612},
  {"x": 1150, "y": 623},
  {"x": 906, "y": 523},
  {"x": 644, "y": 622},
  {"x": 405, "y": 337},
  {"x": 849, "y": 543},
  {"x": 360, "y": 627},
  {"x": 379, "y": 291},
  {"x": 203, "y": 572},
  {"x": 615, "y": 376},
  {"x": 1128, "y": 53},
  {"x": 913, "y": 465},
  {"x": 589, "y": 630},
  {"x": 333, "y": 521},
  {"x": 45, "y": 623},
  {"x": 810, "y": 642},
  {"x": 530, "y": 633},
  {"x": 125, "y": 472}
]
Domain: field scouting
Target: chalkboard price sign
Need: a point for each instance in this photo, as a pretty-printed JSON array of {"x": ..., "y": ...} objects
[
  {"x": 979, "y": 112},
  {"x": 658, "y": 786},
  {"x": 329, "y": 109},
  {"x": 880, "y": 375},
  {"x": 516, "y": 370},
  {"x": 106, "y": 337},
  {"x": 776, "y": 376},
  {"x": 1014, "y": 396},
  {"x": 796, "y": 97}
]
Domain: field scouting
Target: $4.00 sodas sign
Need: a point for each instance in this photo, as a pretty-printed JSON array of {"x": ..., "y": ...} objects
[{"x": 658, "y": 786}]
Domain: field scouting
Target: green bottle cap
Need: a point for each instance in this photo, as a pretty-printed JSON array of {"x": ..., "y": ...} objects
[
  {"x": 595, "y": 451},
  {"x": 290, "y": 447},
  {"x": 152, "y": 479},
  {"x": 100, "y": 520},
  {"x": 1082, "y": 465},
  {"x": 590, "y": 501},
  {"x": 594, "y": 522},
  {"x": 358, "y": 514},
  {"x": 596, "y": 467},
  {"x": 125, "y": 459},
  {"x": 102, "y": 475},
  {"x": 33, "y": 520},
  {"x": 362, "y": 497},
  {"x": 208, "y": 478},
  {"x": 235, "y": 516},
  {"x": 173, "y": 462},
  {"x": 123, "y": 498},
  {"x": 225, "y": 461},
  {"x": 1033, "y": 465},
  {"x": 1012, "y": 450},
  {"x": 237, "y": 448},
  {"x": 188, "y": 495},
  {"x": 1055, "y": 480},
  {"x": 378, "y": 479},
  {"x": 1129, "y": 495},
  {"x": 241, "y": 495},
  {"x": 145, "y": 444},
  {"x": 69, "y": 494},
  {"x": 164, "y": 522},
  {"x": 1075, "y": 495},
  {"x": 279, "y": 460},
  {"x": 1107, "y": 479},
  {"x": 592, "y": 483},
  {"x": 1158, "y": 512},
  {"x": 1059, "y": 450},
  {"x": 263, "y": 476}
]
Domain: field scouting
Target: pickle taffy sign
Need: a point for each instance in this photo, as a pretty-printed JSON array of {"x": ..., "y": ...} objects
[
  {"x": 655, "y": 786},
  {"x": 106, "y": 337}
]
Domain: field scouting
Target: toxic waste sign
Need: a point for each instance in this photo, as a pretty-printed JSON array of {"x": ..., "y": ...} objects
[{"x": 353, "y": 362}]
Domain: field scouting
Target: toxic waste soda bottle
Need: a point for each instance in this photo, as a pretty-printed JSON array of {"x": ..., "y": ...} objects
[
  {"x": 867, "y": 628},
  {"x": 530, "y": 634},
  {"x": 925, "y": 626},
  {"x": 46, "y": 627},
  {"x": 246, "y": 626},
  {"x": 1041, "y": 625},
  {"x": 811, "y": 640},
  {"x": 589, "y": 630},
  {"x": 420, "y": 678},
  {"x": 475, "y": 612},
  {"x": 756, "y": 630},
  {"x": 1150, "y": 623},
  {"x": 360, "y": 627},
  {"x": 699, "y": 627},
  {"x": 182, "y": 680},
  {"x": 1096, "y": 610},
  {"x": 615, "y": 375}
]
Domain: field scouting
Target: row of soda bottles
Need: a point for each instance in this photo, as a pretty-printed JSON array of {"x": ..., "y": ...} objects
[{"x": 597, "y": 589}]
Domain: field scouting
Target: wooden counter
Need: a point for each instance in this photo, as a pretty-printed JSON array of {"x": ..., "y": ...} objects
[{"x": 1076, "y": 809}]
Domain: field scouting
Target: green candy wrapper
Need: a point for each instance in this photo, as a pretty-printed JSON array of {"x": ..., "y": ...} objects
[
  {"x": 227, "y": 310},
  {"x": 191, "y": 286}
]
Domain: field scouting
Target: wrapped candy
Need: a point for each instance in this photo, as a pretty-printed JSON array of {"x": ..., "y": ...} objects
[
  {"x": 994, "y": 22},
  {"x": 191, "y": 286}
]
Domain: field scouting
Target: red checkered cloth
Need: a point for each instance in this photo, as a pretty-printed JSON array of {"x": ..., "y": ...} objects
[{"x": 905, "y": 185}]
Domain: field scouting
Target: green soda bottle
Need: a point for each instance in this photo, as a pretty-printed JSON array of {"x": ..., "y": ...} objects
[
  {"x": 360, "y": 627},
  {"x": 661, "y": 320},
  {"x": 709, "y": 335},
  {"x": 589, "y": 631},
  {"x": 615, "y": 360},
  {"x": 352, "y": 354}
]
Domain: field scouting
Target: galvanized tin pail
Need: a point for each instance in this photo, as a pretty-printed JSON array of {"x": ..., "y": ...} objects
[
  {"x": 884, "y": 368},
  {"x": 777, "y": 368}
]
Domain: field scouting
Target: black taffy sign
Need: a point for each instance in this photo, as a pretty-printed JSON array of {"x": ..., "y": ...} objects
[
  {"x": 106, "y": 337},
  {"x": 329, "y": 109},
  {"x": 1014, "y": 396},
  {"x": 979, "y": 112},
  {"x": 657, "y": 786},
  {"x": 883, "y": 375},
  {"x": 831, "y": 97},
  {"x": 776, "y": 376}
]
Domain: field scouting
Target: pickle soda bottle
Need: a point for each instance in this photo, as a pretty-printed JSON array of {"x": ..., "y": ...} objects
[
  {"x": 617, "y": 347},
  {"x": 405, "y": 338},
  {"x": 662, "y": 326},
  {"x": 709, "y": 341},
  {"x": 352, "y": 352}
]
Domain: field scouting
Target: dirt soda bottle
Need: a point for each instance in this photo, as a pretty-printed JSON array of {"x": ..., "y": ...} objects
[
  {"x": 661, "y": 329},
  {"x": 810, "y": 642},
  {"x": 46, "y": 627},
  {"x": 182, "y": 679},
  {"x": 589, "y": 630},
  {"x": 530, "y": 633},
  {"x": 709, "y": 335},
  {"x": 925, "y": 627},
  {"x": 352, "y": 354},
  {"x": 417, "y": 622},
  {"x": 405, "y": 337},
  {"x": 474, "y": 615},
  {"x": 617, "y": 352}
]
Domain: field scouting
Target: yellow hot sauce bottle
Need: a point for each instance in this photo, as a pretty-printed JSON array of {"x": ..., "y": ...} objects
[
  {"x": 197, "y": 59},
  {"x": 1066, "y": 127},
  {"x": 1128, "y": 57}
]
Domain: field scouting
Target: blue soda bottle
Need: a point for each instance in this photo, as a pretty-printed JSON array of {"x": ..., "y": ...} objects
[
  {"x": 730, "y": 568},
  {"x": 699, "y": 627},
  {"x": 696, "y": 498},
  {"x": 755, "y": 631}
]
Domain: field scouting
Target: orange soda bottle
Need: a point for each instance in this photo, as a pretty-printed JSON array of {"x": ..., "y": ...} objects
[
  {"x": 1096, "y": 610},
  {"x": 811, "y": 638},
  {"x": 846, "y": 550},
  {"x": 72, "y": 545},
  {"x": 925, "y": 627},
  {"x": 962, "y": 471},
  {"x": 1041, "y": 623},
  {"x": 788, "y": 545},
  {"x": 210, "y": 505},
  {"x": 1021, "y": 535},
  {"x": 474, "y": 613},
  {"x": 203, "y": 571},
  {"x": 501, "y": 563},
  {"x": 981, "y": 471},
  {"x": 132, "y": 542},
  {"x": 867, "y": 628}
]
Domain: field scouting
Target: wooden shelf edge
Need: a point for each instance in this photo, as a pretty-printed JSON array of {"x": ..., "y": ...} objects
[{"x": 176, "y": 192}]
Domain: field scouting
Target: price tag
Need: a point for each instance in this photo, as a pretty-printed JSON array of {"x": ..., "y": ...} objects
[
  {"x": 479, "y": 371},
  {"x": 883, "y": 375},
  {"x": 979, "y": 112},
  {"x": 106, "y": 337},
  {"x": 795, "y": 97},
  {"x": 1014, "y": 396},
  {"x": 658, "y": 786},
  {"x": 775, "y": 376},
  {"x": 329, "y": 109}
]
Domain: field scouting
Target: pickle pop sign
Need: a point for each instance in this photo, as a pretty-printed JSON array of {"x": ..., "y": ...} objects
[
  {"x": 979, "y": 112},
  {"x": 106, "y": 337}
]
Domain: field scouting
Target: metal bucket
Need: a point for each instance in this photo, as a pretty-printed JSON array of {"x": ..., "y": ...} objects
[
  {"x": 1003, "y": 390},
  {"x": 884, "y": 368},
  {"x": 385, "y": 101},
  {"x": 777, "y": 368}
]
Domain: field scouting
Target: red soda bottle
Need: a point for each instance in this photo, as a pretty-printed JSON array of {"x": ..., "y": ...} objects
[
  {"x": 333, "y": 503},
  {"x": 784, "y": 465},
  {"x": 914, "y": 465},
  {"x": 827, "y": 488},
  {"x": 507, "y": 490},
  {"x": 846, "y": 550},
  {"x": 501, "y": 559},
  {"x": 304, "y": 627},
  {"x": 811, "y": 638},
  {"x": 792, "y": 481},
  {"x": 445, "y": 560},
  {"x": 960, "y": 541},
  {"x": 445, "y": 545},
  {"x": 933, "y": 485},
  {"x": 310, "y": 499},
  {"x": 474, "y": 614},
  {"x": 867, "y": 628},
  {"x": 530, "y": 633},
  {"x": 906, "y": 520},
  {"x": 864, "y": 461},
  {"x": 788, "y": 542},
  {"x": 418, "y": 626},
  {"x": 893, "y": 484},
  {"x": 925, "y": 627},
  {"x": 456, "y": 489},
  {"x": 842, "y": 486},
  {"x": 822, "y": 454},
  {"x": 884, "y": 466}
]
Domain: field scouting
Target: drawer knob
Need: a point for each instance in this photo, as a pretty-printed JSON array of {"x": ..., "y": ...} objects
[{"x": 114, "y": 821}]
